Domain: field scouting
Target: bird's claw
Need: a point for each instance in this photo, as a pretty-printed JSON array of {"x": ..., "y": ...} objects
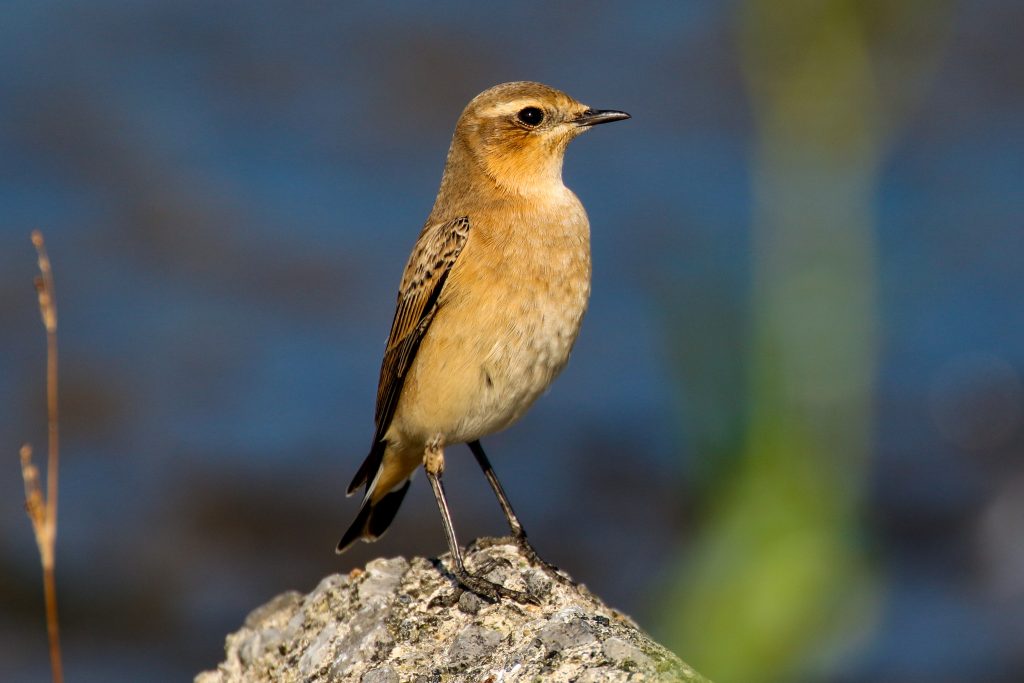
[
  {"x": 493, "y": 592},
  {"x": 533, "y": 558}
]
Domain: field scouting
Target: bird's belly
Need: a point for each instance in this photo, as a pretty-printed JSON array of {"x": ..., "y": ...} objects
[
  {"x": 518, "y": 370},
  {"x": 476, "y": 377}
]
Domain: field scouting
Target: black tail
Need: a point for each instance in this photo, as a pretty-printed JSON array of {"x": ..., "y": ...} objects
[
  {"x": 369, "y": 467},
  {"x": 374, "y": 518}
]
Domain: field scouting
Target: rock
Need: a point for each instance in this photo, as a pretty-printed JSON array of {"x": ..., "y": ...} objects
[
  {"x": 568, "y": 629},
  {"x": 623, "y": 653},
  {"x": 401, "y": 621},
  {"x": 471, "y": 645},
  {"x": 470, "y": 603},
  {"x": 384, "y": 674}
]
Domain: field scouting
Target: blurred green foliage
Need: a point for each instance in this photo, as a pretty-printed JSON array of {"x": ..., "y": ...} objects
[{"x": 778, "y": 582}]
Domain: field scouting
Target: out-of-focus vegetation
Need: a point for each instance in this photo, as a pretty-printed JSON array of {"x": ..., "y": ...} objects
[{"x": 779, "y": 581}]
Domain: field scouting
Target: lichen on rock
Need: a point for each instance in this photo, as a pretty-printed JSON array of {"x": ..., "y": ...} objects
[{"x": 402, "y": 621}]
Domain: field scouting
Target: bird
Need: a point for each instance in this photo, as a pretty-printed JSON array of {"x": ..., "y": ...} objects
[{"x": 489, "y": 307}]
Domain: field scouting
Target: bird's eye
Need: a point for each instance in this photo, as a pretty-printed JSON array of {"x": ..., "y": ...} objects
[{"x": 530, "y": 116}]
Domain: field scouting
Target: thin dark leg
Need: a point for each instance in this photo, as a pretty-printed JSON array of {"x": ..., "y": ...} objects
[
  {"x": 518, "y": 532},
  {"x": 477, "y": 584}
]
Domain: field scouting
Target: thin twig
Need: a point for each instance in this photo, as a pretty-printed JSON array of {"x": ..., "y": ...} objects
[{"x": 43, "y": 511}]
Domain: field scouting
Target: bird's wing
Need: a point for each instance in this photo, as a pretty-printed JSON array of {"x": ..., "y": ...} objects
[{"x": 436, "y": 251}]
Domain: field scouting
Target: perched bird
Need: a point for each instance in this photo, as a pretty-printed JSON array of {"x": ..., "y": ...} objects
[{"x": 489, "y": 305}]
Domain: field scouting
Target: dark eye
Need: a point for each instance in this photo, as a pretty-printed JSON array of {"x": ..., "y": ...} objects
[{"x": 531, "y": 116}]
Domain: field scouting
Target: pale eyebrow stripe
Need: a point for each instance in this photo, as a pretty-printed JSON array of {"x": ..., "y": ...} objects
[{"x": 510, "y": 107}]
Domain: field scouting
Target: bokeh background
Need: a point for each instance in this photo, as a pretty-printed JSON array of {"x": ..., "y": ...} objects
[{"x": 789, "y": 441}]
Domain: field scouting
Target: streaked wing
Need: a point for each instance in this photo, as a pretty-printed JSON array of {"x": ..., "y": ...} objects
[{"x": 431, "y": 261}]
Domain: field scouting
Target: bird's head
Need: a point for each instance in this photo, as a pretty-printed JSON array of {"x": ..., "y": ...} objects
[{"x": 517, "y": 133}]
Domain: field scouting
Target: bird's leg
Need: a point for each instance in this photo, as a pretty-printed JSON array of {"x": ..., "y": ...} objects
[
  {"x": 518, "y": 532},
  {"x": 433, "y": 463}
]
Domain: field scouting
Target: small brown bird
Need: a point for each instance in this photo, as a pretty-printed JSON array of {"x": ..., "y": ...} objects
[{"x": 489, "y": 306}]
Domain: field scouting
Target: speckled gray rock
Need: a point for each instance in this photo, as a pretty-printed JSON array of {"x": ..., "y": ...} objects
[{"x": 399, "y": 621}]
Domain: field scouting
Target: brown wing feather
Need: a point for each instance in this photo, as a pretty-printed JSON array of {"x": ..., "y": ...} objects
[{"x": 432, "y": 258}]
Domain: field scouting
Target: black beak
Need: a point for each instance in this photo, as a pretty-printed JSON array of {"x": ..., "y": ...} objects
[{"x": 592, "y": 117}]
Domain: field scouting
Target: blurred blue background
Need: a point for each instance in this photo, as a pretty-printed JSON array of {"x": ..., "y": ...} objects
[{"x": 789, "y": 440}]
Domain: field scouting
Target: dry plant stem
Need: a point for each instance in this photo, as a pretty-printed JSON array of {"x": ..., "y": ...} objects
[{"x": 43, "y": 512}]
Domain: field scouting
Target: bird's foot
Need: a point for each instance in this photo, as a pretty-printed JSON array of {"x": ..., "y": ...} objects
[
  {"x": 490, "y": 591},
  {"x": 533, "y": 558}
]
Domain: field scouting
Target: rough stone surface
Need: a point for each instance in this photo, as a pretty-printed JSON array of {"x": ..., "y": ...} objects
[{"x": 399, "y": 621}]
